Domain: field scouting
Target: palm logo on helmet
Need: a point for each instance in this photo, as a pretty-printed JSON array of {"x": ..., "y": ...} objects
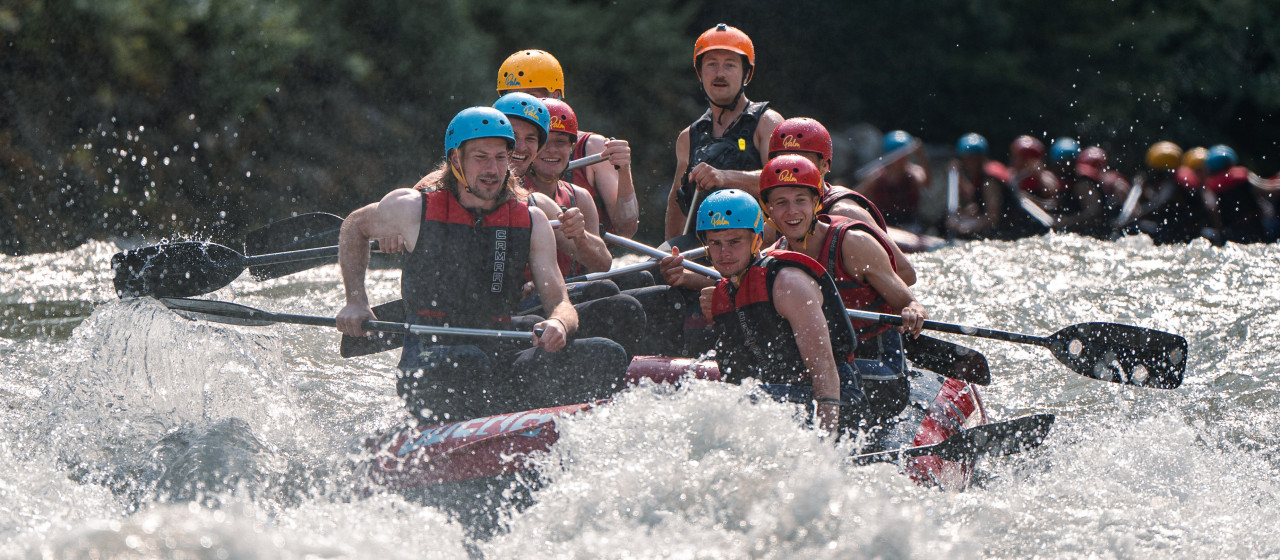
[{"x": 730, "y": 209}]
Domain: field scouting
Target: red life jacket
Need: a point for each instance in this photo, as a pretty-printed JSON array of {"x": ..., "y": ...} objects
[
  {"x": 754, "y": 340},
  {"x": 855, "y": 294},
  {"x": 836, "y": 193},
  {"x": 466, "y": 270}
]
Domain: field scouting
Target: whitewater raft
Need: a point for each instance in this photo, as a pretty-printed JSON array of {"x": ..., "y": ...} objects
[{"x": 414, "y": 458}]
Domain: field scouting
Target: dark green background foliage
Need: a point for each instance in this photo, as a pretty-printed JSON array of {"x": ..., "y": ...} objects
[{"x": 205, "y": 117}]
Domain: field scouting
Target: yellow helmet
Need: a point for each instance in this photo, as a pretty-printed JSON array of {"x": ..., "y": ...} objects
[
  {"x": 1164, "y": 156},
  {"x": 531, "y": 69},
  {"x": 1194, "y": 158}
]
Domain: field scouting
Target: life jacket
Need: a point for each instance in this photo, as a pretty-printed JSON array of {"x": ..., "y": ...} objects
[
  {"x": 853, "y": 293},
  {"x": 1237, "y": 202},
  {"x": 579, "y": 177},
  {"x": 736, "y": 150},
  {"x": 466, "y": 270},
  {"x": 897, "y": 198},
  {"x": 836, "y": 193},
  {"x": 754, "y": 340},
  {"x": 1071, "y": 202}
]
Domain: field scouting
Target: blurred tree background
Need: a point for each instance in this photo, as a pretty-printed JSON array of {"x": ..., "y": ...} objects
[{"x": 201, "y": 118}]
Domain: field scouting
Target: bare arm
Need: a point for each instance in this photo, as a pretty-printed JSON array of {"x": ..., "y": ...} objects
[
  {"x": 865, "y": 259},
  {"x": 397, "y": 214},
  {"x": 562, "y": 318},
  {"x": 613, "y": 183},
  {"x": 797, "y": 298},
  {"x": 676, "y": 217},
  {"x": 853, "y": 210}
]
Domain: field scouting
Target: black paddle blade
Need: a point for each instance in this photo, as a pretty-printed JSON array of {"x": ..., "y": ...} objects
[
  {"x": 392, "y": 311},
  {"x": 947, "y": 359},
  {"x": 1122, "y": 354},
  {"x": 183, "y": 269},
  {"x": 993, "y": 439},
  {"x": 306, "y": 231},
  {"x": 216, "y": 311}
]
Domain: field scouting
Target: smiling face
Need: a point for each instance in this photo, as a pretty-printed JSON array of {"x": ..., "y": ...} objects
[
  {"x": 526, "y": 146},
  {"x": 722, "y": 73},
  {"x": 483, "y": 162},
  {"x": 731, "y": 250},
  {"x": 554, "y": 157},
  {"x": 792, "y": 210}
]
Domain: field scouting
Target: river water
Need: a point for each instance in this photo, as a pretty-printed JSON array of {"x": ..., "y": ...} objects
[{"x": 129, "y": 432}]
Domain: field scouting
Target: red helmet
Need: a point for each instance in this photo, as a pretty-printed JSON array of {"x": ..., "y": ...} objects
[
  {"x": 800, "y": 134},
  {"x": 1093, "y": 156},
  {"x": 1027, "y": 146},
  {"x": 562, "y": 117},
  {"x": 724, "y": 37},
  {"x": 791, "y": 170}
]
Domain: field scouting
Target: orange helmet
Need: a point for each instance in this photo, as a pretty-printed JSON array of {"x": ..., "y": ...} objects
[
  {"x": 1164, "y": 156},
  {"x": 1194, "y": 158},
  {"x": 563, "y": 118},
  {"x": 800, "y": 134},
  {"x": 531, "y": 69},
  {"x": 724, "y": 37}
]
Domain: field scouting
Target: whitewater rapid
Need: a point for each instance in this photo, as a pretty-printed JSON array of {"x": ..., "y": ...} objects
[{"x": 128, "y": 431}]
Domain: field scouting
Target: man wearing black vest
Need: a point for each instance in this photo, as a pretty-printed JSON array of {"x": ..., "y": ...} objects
[
  {"x": 728, "y": 145},
  {"x": 469, "y": 241}
]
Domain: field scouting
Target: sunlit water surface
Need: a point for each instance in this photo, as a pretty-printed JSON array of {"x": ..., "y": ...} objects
[{"x": 128, "y": 431}]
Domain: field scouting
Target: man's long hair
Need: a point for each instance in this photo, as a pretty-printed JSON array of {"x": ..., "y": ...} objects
[{"x": 441, "y": 178}]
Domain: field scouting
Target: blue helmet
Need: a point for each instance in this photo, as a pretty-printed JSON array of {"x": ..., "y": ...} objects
[
  {"x": 896, "y": 139},
  {"x": 1220, "y": 158},
  {"x": 971, "y": 144},
  {"x": 730, "y": 209},
  {"x": 478, "y": 122},
  {"x": 1064, "y": 150},
  {"x": 524, "y": 106}
]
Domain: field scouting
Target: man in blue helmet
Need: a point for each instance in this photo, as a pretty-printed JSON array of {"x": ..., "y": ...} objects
[
  {"x": 469, "y": 240},
  {"x": 895, "y": 187},
  {"x": 778, "y": 317},
  {"x": 1079, "y": 206},
  {"x": 1237, "y": 210},
  {"x": 727, "y": 145}
]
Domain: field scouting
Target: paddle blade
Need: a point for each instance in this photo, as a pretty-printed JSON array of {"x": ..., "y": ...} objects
[
  {"x": 217, "y": 311},
  {"x": 1122, "y": 354},
  {"x": 948, "y": 359},
  {"x": 306, "y": 231},
  {"x": 393, "y": 312},
  {"x": 994, "y": 439},
  {"x": 175, "y": 269}
]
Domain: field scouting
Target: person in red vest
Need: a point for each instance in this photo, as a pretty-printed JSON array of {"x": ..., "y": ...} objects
[
  {"x": 727, "y": 145},
  {"x": 1027, "y": 170},
  {"x": 807, "y": 137},
  {"x": 468, "y": 242},
  {"x": 895, "y": 188},
  {"x": 987, "y": 207},
  {"x": 858, "y": 256},
  {"x": 778, "y": 316},
  {"x": 538, "y": 73}
]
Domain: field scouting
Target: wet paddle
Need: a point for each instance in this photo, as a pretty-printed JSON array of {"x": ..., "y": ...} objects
[
  {"x": 304, "y": 231},
  {"x": 614, "y": 272},
  {"x": 192, "y": 268},
  {"x": 1129, "y": 210},
  {"x": 236, "y": 314},
  {"x": 993, "y": 439},
  {"x": 1111, "y": 352}
]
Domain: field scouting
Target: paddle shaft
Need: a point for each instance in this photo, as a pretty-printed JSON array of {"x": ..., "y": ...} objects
[
  {"x": 886, "y": 159},
  {"x": 657, "y": 254},
  {"x": 696, "y": 253},
  {"x": 1020, "y": 338},
  {"x": 583, "y": 162}
]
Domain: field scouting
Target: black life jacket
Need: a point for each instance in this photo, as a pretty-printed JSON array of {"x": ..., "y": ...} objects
[
  {"x": 466, "y": 270},
  {"x": 736, "y": 150},
  {"x": 754, "y": 340}
]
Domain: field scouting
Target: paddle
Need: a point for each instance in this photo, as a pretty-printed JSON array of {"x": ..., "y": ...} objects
[
  {"x": 1111, "y": 352},
  {"x": 614, "y": 272},
  {"x": 304, "y": 231},
  {"x": 191, "y": 268},
  {"x": 953, "y": 197},
  {"x": 236, "y": 314},
  {"x": 688, "y": 239},
  {"x": 994, "y": 439},
  {"x": 1129, "y": 209},
  {"x": 886, "y": 159}
]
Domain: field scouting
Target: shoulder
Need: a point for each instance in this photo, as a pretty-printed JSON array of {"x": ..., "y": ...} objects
[{"x": 595, "y": 142}]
